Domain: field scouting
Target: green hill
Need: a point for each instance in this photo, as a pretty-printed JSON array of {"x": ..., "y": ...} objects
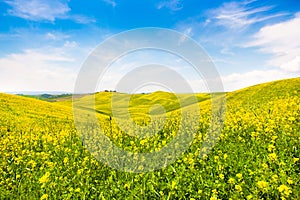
[
  {"x": 263, "y": 93},
  {"x": 138, "y": 104}
]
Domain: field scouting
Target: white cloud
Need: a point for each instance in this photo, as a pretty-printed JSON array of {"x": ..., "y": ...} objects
[
  {"x": 281, "y": 40},
  {"x": 82, "y": 19},
  {"x": 37, "y": 9},
  {"x": 238, "y": 15},
  {"x": 70, "y": 44},
  {"x": 186, "y": 33},
  {"x": 56, "y": 36},
  {"x": 51, "y": 36},
  {"x": 227, "y": 51},
  {"x": 48, "y": 69},
  {"x": 111, "y": 2},
  {"x": 173, "y": 5},
  {"x": 237, "y": 81},
  {"x": 44, "y": 10},
  {"x": 292, "y": 65},
  {"x": 125, "y": 66},
  {"x": 230, "y": 82}
]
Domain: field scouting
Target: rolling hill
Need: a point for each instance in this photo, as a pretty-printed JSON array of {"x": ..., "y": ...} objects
[{"x": 255, "y": 156}]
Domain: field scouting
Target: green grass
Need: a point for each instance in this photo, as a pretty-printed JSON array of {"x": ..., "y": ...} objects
[{"x": 50, "y": 97}]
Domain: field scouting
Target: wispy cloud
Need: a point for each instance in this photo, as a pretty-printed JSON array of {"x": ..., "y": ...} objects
[
  {"x": 81, "y": 19},
  {"x": 56, "y": 36},
  {"x": 281, "y": 40},
  {"x": 237, "y": 81},
  {"x": 186, "y": 33},
  {"x": 238, "y": 15},
  {"x": 173, "y": 5},
  {"x": 227, "y": 51},
  {"x": 44, "y": 10},
  {"x": 44, "y": 69},
  {"x": 111, "y": 2},
  {"x": 38, "y": 10}
]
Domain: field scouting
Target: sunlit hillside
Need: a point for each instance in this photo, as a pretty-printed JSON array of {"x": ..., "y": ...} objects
[
  {"x": 255, "y": 157},
  {"x": 137, "y": 104}
]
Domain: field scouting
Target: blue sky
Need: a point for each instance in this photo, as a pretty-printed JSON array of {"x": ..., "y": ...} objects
[{"x": 44, "y": 42}]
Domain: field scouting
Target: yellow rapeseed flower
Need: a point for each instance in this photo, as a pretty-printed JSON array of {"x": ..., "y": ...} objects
[
  {"x": 127, "y": 186},
  {"x": 263, "y": 185},
  {"x": 273, "y": 156},
  {"x": 44, "y": 196},
  {"x": 142, "y": 142},
  {"x": 215, "y": 191},
  {"x": 161, "y": 193},
  {"x": 221, "y": 176},
  {"x": 173, "y": 185},
  {"x": 66, "y": 160},
  {"x": 250, "y": 172},
  {"x": 290, "y": 181},
  {"x": 239, "y": 175},
  {"x": 283, "y": 189},
  {"x": 45, "y": 178},
  {"x": 265, "y": 166},
  {"x": 238, "y": 188},
  {"x": 225, "y": 156},
  {"x": 213, "y": 198},
  {"x": 231, "y": 180},
  {"x": 275, "y": 178},
  {"x": 271, "y": 147}
]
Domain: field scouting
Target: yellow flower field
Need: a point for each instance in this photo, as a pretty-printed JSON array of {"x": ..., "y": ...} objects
[{"x": 255, "y": 157}]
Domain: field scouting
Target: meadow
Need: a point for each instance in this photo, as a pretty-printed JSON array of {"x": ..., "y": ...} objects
[{"x": 256, "y": 155}]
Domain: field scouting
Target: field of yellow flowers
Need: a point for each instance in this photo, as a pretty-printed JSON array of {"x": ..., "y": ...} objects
[{"x": 255, "y": 157}]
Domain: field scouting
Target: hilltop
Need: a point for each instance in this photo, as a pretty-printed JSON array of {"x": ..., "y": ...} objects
[{"x": 140, "y": 104}]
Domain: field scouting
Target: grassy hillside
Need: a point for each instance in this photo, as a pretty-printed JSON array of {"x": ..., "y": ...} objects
[
  {"x": 50, "y": 97},
  {"x": 137, "y": 104},
  {"x": 25, "y": 114},
  {"x": 266, "y": 92},
  {"x": 255, "y": 157},
  {"x": 140, "y": 104}
]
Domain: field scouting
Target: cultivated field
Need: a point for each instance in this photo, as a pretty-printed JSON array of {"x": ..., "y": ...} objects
[{"x": 256, "y": 156}]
